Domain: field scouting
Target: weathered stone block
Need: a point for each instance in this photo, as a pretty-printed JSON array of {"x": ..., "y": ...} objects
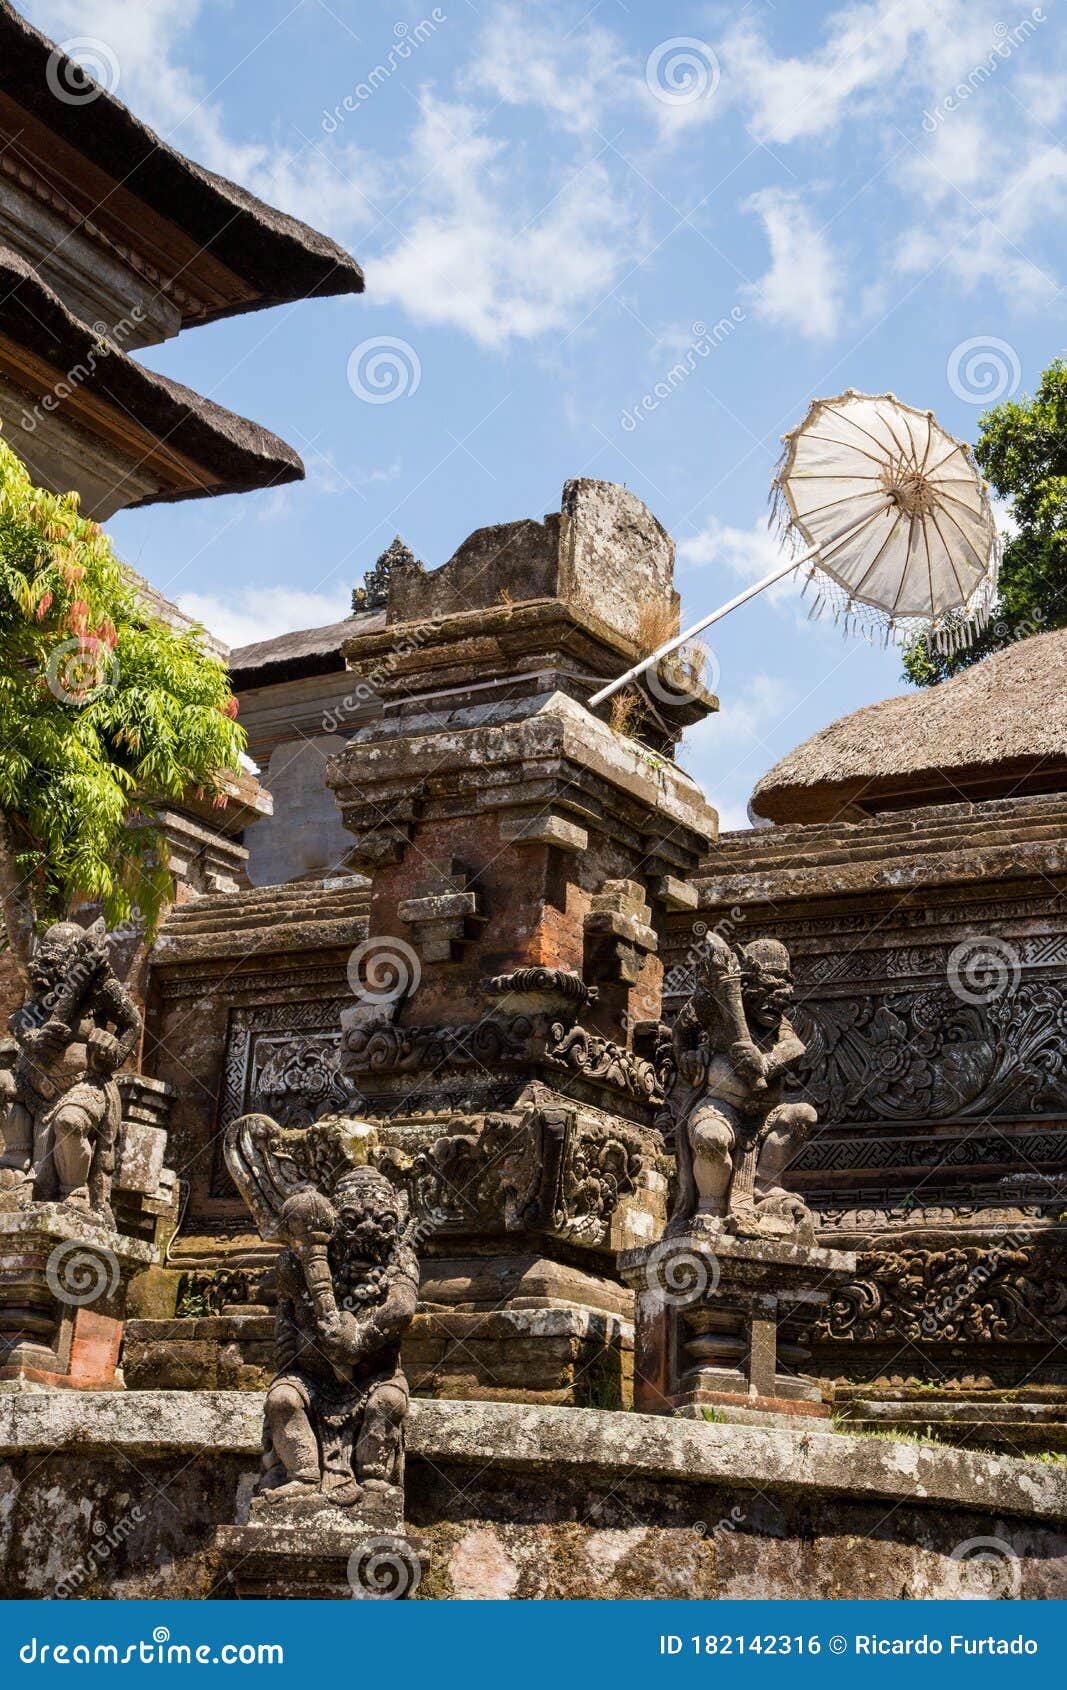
[{"x": 544, "y": 830}]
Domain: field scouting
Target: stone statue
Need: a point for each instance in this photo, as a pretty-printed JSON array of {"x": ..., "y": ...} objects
[
  {"x": 734, "y": 1136},
  {"x": 59, "y": 1104},
  {"x": 347, "y": 1286}
]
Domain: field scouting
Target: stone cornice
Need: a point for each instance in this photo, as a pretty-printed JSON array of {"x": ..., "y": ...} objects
[{"x": 509, "y": 1437}]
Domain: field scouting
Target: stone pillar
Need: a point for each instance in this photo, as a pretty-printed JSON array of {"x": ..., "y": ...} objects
[
  {"x": 522, "y": 854},
  {"x": 65, "y": 1273},
  {"x": 719, "y": 1321},
  {"x": 63, "y": 1282}
]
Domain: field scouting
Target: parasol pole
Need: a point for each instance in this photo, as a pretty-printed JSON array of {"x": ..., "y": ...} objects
[{"x": 742, "y": 598}]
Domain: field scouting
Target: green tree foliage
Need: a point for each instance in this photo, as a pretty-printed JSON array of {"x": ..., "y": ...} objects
[
  {"x": 106, "y": 712},
  {"x": 1022, "y": 451}
]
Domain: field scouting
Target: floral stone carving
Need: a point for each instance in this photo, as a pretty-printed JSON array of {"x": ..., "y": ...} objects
[{"x": 1006, "y": 1293}]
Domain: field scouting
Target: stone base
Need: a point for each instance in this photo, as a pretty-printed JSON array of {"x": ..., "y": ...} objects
[
  {"x": 63, "y": 1281},
  {"x": 523, "y": 1503},
  {"x": 551, "y": 1354},
  {"x": 306, "y": 1548},
  {"x": 718, "y": 1323},
  {"x": 757, "y": 1411}
]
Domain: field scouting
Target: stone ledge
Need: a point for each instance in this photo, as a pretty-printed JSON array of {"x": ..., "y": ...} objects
[
  {"x": 59, "y": 1222},
  {"x": 532, "y": 1439}
]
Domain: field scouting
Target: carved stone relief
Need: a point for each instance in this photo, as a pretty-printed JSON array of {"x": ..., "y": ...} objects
[
  {"x": 282, "y": 1059},
  {"x": 1013, "y": 1292},
  {"x": 925, "y": 1055}
]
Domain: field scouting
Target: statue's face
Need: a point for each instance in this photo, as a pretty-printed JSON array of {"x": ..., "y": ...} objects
[
  {"x": 768, "y": 993},
  {"x": 50, "y": 961},
  {"x": 368, "y": 1229}
]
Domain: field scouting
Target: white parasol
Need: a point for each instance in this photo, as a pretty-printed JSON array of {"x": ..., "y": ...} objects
[{"x": 896, "y": 521}]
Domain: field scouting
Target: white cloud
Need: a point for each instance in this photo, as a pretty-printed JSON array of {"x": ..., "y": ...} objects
[
  {"x": 802, "y": 288},
  {"x": 473, "y": 249},
  {"x": 991, "y": 237},
  {"x": 249, "y": 614},
  {"x": 759, "y": 708},
  {"x": 576, "y": 75},
  {"x": 1043, "y": 93},
  {"x": 748, "y": 554},
  {"x": 870, "y": 51},
  {"x": 477, "y": 254},
  {"x": 323, "y": 185},
  {"x": 957, "y": 100}
]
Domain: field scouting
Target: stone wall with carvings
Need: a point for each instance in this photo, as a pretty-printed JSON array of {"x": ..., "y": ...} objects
[
  {"x": 246, "y": 993},
  {"x": 930, "y": 955}
]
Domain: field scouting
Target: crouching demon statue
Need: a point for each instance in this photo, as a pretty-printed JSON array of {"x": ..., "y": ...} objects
[
  {"x": 347, "y": 1282},
  {"x": 733, "y": 1046},
  {"x": 59, "y": 1104}
]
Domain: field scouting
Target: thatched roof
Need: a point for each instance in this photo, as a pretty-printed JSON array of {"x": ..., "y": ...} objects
[
  {"x": 309, "y": 651},
  {"x": 195, "y": 447},
  {"x": 997, "y": 730},
  {"x": 275, "y": 256}
]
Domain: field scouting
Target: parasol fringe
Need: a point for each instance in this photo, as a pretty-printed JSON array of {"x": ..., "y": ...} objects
[{"x": 945, "y": 635}]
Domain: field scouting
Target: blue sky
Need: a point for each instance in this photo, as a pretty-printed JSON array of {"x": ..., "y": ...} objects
[{"x": 551, "y": 201}]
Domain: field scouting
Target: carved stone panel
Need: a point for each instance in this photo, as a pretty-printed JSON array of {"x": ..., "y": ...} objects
[
  {"x": 282, "y": 1059},
  {"x": 926, "y": 1055},
  {"x": 1014, "y": 1291}
]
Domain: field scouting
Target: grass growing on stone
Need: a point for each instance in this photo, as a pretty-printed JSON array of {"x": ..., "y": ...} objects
[{"x": 891, "y": 1434}]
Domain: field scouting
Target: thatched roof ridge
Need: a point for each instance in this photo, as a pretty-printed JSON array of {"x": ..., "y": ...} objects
[
  {"x": 279, "y": 257},
  {"x": 997, "y": 728},
  {"x": 231, "y": 453},
  {"x": 307, "y": 651}
]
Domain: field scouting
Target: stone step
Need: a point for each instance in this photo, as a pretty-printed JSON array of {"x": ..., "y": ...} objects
[
  {"x": 1031, "y": 817},
  {"x": 266, "y": 907},
  {"x": 763, "y": 843}
]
